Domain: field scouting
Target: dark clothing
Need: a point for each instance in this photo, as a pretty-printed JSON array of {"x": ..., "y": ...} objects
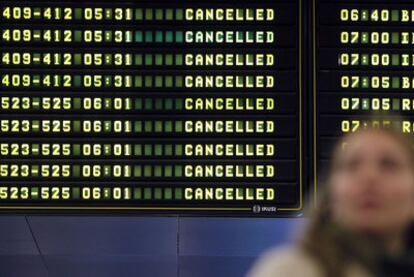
[{"x": 399, "y": 266}]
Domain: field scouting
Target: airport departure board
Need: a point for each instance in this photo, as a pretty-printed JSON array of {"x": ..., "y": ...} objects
[
  {"x": 363, "y": 64},
  {"x": 152, "y": 106},
  {"x": 185, "y": 107}
]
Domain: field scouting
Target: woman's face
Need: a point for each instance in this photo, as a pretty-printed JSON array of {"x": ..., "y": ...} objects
[{"x": 372, "y": 184}]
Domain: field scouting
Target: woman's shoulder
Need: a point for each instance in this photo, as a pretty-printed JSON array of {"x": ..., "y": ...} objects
[
  {"x": 292, "y": 261},
  {"x": 285, "y": 261}
]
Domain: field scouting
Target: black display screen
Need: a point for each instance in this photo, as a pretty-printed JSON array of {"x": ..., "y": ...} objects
[
  {"x": 190, "y": 107},
  {"x": 363, "y": 62}
]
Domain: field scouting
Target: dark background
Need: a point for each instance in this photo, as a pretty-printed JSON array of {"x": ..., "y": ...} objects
[{"x": 41, "y": 246}]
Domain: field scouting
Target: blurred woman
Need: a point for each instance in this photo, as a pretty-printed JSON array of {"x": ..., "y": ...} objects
[{"x": 364, "y": 224}]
